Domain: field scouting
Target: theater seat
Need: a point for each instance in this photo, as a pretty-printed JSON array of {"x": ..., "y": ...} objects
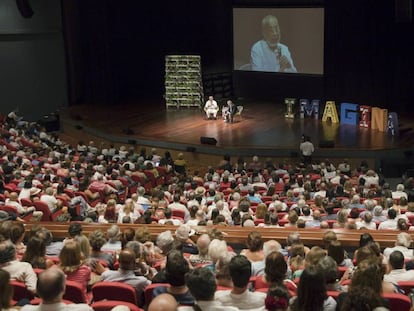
[
  {"x": 114, "y": 291},
  {"x": 108, "y": 305}
]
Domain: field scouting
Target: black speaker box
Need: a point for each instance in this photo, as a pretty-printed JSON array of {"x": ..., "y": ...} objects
[
  {"x": 191, "y": 149},
  {"x": 208, "y": 140},
  {"x": 326, "y": 144}
]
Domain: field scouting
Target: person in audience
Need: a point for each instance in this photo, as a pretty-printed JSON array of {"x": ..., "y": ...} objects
[
  {"x": 50, "y": 288},
  {"x": 366, "y": 222},
  {"x": 113, "y": 243},
  {"x": 365, "y": 289},
  {"x": 163, "y": 302},
  {"x": 182, "y": 235},
  {"x": 311, "y": 293},
  {"x": 399, "y": 192},
  {"x": 49, "y": 198},
  {"x": 6, "y": 291},
  {"x": 391, "y": 222},
  {"x": 254, "y": 251},
  {"x": 175, "y": 269},
  {"x": 276, "y": 270},
  {"x": 328, "y": 267},
  {"x": 202, "y": 258},
  {"x": 202, "y": 285},
  {"x": 97, "y": 240},
  {"x": 258, "y": 267},
  {"x": 71, "y": 263},
  {"x": 396, "y": 270},
  {"x": 18, "y": 270},
  {"x": 36, "y": 254},
  {"x": 277, "y": 298},
  {"x": 240, "y": 296},
  {"x": 126, "y": 272},
  {"x": 17, "y": 233},
  {"x": 338, "y": 253},
  {"x": 22, "y": 211},
  {"x": 402, "y": 244}
]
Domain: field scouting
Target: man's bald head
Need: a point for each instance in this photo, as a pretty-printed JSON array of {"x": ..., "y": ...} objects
[
  {"x": 163, "y": 302},
  {"x": 51, "y": 285},
  {"x": 127, "y": 259}
]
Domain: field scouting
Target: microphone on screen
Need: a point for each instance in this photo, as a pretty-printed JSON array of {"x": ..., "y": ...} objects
[{"x": 279, "y": 52}]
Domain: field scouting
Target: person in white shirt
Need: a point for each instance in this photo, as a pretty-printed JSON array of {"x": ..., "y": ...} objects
[
  {"x": 269, "y": 54},
  {"x": 240, "y": 296},
  {"x": 391, "y": 222},
  {"x": 396, "y": 195},
  {"x": 211, "y": 108},
  {"x": 51, "y": 287},
  {"x": 307, "y": 149},
  {"x": 402, "y": 244},
  {"x": 18, "y": 270},
  {"x": 396, "y": 269},
  {"x": 202, "y": 285},
  {"x": 49, "y": 198}
]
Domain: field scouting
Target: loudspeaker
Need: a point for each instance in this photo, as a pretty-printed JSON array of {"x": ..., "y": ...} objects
[
  {"x": 208, "y": 140},
  {"x": 25, "y": 8},
  {"x": 132, "y": 141},
  {"x": 403, "y": 11},
  {"x": 326, "y": 144},
  {"x": 191, "y": 149}
]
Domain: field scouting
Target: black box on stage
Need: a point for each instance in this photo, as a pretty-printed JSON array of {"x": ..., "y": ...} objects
[{"x": 208, "y": 140}]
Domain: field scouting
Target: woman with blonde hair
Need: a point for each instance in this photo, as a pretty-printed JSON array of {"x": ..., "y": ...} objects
[
  {"x": 127, "y": 212},
  {"x": 71, "y": 263}
]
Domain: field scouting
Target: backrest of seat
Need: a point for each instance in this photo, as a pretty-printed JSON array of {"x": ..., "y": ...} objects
[
  {"x": 74, "y": 292},
  {"x": 398, "y": 302},
  {"x": 108, "y": 305},
  {"x": 114, "y": 291},
  {"x": 150, "y": 289},
  {"x": 20, "y": 291}
]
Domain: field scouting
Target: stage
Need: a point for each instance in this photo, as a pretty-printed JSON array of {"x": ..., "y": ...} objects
[{"x": 262, "y": 129}]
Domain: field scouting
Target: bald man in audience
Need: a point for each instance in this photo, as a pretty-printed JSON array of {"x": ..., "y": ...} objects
[
  {"x": 51, "y": 286},
  {"x": 163, "y": 302},
  {"x": 202, "y": 257}
]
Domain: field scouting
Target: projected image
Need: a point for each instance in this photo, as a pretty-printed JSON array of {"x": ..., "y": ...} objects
[{"x": 287, "y": 40}]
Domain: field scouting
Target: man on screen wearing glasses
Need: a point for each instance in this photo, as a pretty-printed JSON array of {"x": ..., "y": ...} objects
[{"x": 269, "y": 54}]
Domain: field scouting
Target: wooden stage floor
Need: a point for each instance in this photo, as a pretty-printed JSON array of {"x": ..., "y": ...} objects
[{"x": 262, "y": 127}]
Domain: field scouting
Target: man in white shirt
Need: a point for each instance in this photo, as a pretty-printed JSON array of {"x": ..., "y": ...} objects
[
  {"x": 177, "y": 206},
  {"x": 397, "y": 271},
  {"x": 396, "y": 195},
  {"x": 240, "y": 296},
  {"x": 269, "y": 54},
  {"x": 51, "y": 287},
  {"x": 391, "y": 222},
  {"x": 49, "y": 198},
  {"x": 402, "y": 244},
  {"x": 211, "y": 108},
  {"x": 307, "y": 149}
]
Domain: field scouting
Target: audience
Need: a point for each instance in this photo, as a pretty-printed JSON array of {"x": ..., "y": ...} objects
[{"x": 304, "y": 196}]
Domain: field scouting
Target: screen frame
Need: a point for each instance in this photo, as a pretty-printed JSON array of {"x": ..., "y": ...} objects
[{"x": 290, "y": 6}]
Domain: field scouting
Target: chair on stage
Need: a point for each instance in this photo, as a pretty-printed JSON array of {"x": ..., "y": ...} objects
[{"x": 239, "y": 112}]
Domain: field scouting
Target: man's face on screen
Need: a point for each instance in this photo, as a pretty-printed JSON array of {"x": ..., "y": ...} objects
[{"x": 271, "y": 32}]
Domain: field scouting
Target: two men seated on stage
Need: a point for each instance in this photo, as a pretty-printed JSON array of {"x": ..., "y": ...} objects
[
  {"x": 229, "y": 111},
  {"x": 211, "y": 108}
]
